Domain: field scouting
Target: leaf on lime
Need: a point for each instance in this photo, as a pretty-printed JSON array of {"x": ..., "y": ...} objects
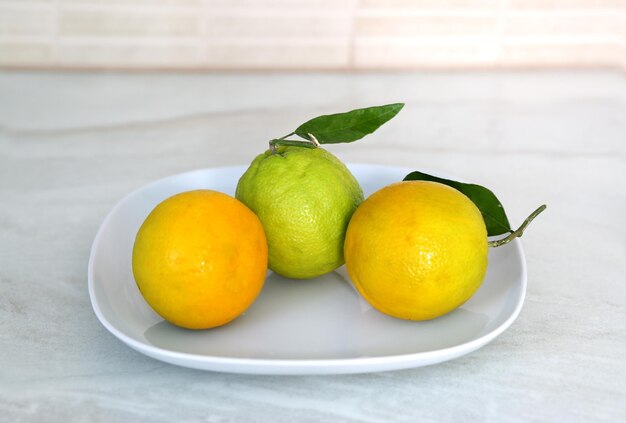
[{"x": 349, "y": 126}]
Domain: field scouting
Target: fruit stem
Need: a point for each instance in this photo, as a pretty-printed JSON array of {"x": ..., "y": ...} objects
[
  {"x": 310, "y": 143},
  {"x": 313, "y": 140},
  {"x": 520, "y": 231}
]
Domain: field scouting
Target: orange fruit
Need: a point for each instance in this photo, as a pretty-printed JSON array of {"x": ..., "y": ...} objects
[
  {"x": 416, "y": 250},
  {"x": 200, "y": 259}
]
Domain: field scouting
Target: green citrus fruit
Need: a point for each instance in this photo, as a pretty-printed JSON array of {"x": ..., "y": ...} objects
[
  {"x": 416, "y": 250},
  {"x": 304, "y": 198}
]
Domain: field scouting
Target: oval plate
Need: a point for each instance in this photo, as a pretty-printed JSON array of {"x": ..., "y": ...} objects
[{"x": 319, "y": 326}]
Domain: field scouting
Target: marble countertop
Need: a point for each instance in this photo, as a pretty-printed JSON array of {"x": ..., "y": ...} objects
[{"x": 71, "y": 145}]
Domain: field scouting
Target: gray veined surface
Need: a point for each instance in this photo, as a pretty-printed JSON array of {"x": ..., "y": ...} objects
[{"x": 72, "y": 145}]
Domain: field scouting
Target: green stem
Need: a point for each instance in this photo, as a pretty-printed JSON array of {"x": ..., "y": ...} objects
[
  {"x": 294, "y": 143},
  {"x": 310, "y": 143},
  {"x": 520, "y": 231}
]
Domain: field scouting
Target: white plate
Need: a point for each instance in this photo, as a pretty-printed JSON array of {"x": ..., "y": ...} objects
[{"x": 321, "y": 326}]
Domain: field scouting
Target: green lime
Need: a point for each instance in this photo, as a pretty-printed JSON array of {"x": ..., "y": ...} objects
[{"x": 304, "y": 198}]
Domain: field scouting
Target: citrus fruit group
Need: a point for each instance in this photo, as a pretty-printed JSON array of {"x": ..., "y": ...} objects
[
  {"x": 200, "y": 259},
  {"x": 416, "y": 250},
  {"x": 304, "y": 198}
]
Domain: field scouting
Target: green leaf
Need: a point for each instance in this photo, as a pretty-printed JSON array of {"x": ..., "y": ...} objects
[
  {"x": 350, "y": 126},
  {"x": 490, "y": 207}
]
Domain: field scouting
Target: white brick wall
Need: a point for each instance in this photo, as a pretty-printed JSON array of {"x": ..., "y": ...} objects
[{"x": 311, "y": 34}]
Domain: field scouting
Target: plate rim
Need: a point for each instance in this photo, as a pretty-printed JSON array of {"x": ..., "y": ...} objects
[{"x": 291, "y": 366}]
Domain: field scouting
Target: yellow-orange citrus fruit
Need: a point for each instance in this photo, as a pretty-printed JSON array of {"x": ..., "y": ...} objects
[
  {"x": 200, "y": 259},
  {"x": 416, "y": 250}
]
